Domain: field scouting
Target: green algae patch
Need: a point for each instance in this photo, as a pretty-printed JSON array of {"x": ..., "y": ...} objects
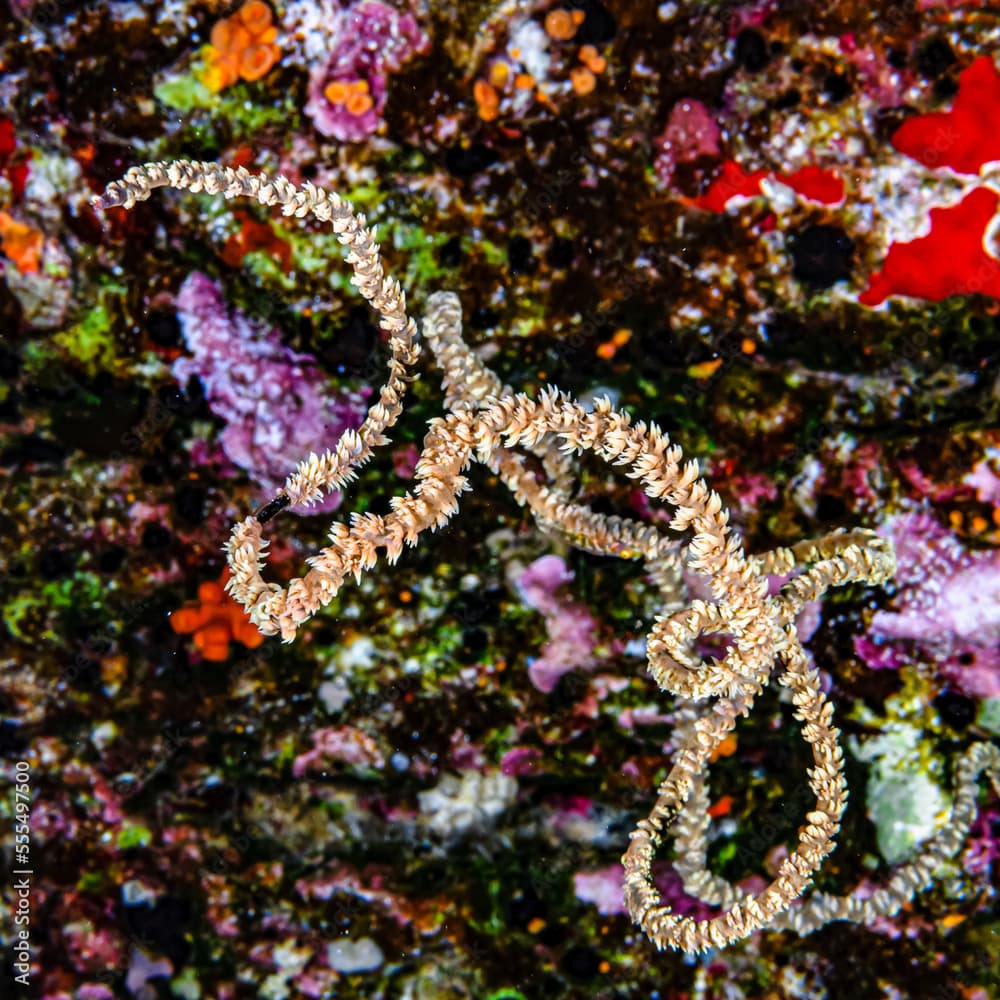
[
  {"x": 90, "y": 342},
  {"x": 133, "y": 836},
  {"x": 184, "y": 92},
  {"x": 989, "y": 716}
]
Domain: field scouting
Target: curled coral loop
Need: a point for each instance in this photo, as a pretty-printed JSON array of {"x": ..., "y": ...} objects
[
  {"x": 489, "y": 423},
  {"x": 678, "y": 670}
]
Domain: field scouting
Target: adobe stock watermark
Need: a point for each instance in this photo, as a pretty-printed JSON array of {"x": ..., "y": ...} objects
[{"x": 21, "y": 873}]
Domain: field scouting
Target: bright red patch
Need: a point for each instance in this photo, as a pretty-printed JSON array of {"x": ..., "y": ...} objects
[
  {"x": 8, "y": 143},
  {"x": 967, "y": 136},
  {"x": 17, "y": 174},
  {"x": 732, "y": 182},
  {"x": 815, "y": 184},
  {"x": 949, "y": 261},
  {"x": 721, "y": 808},
  {"x": 14, "y": 166}
]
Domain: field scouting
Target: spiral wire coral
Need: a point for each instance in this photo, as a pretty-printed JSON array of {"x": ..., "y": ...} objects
[{"x": 487, "y": 422}]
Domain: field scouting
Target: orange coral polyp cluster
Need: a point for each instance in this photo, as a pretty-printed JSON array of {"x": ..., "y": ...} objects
[
  {"x": 561, "y": 24},
  {"x": 592, "y": 59},
  {"x": 215, "y": 621},
  {"x": 584, "y": 78},
  {"x": 21, "y": 244},
  {"x": 354, "y": 95},
  {"x": 242, "y": 47},
  {"x": 487, "y": 100}
]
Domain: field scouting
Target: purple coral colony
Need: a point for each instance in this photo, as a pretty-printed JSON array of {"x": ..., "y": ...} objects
[{"x": 772, "y": 228}]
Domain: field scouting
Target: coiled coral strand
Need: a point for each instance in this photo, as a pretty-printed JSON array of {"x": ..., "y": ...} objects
[{"x": 487, "y": 422}]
